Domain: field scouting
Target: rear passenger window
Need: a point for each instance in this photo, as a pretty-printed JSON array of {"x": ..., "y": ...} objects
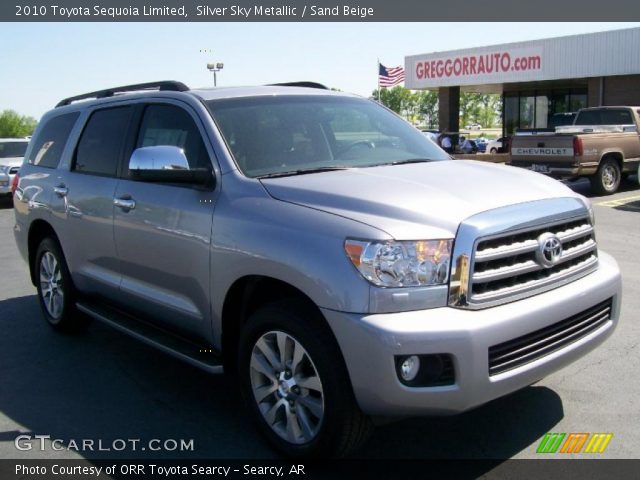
[
  {"x": 172, "y": 126},
  {"x": 605, "y": 117},
  {"x": 100, "y": 146},
  {"x": 616, "y": 117},
  {"x": 49, "y": 143}
]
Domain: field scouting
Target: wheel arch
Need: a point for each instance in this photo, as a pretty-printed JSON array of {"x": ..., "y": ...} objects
[
  {"x": 246, "y": 295},
  {"x": 38, "y": 230},
  {"x": 616, "y": 155}
]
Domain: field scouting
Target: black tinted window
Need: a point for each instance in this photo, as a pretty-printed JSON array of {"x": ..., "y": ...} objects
[
  {"x": 13, "y": 149},
  {"x": 605, "y": 117},
  {"x": 101, "y": 143},
  {"x": 172, "y": 126},
  {"x": 616, "y": 117},
  {"x": 49, "y": 143}
]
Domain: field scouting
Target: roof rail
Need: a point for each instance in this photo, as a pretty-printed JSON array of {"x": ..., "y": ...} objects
[
  {"x": 300, "y": 84},
  {"x": 166, "y": 85}
]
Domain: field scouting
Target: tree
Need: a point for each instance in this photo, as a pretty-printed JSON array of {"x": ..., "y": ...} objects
[
  {"x": 469, "y": 108},
  {"x": 12, "y": 124},
  {"x": 482, "y": 108},
  {"x": 428, "y": 107},
  {"x": 490, "y": 111},
  {"x": 397, "y": 99},
  {"x": 417, "y": 107}
]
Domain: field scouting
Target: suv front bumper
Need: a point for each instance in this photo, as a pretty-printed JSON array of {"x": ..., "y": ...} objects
[{"x": 369, "y": 344}]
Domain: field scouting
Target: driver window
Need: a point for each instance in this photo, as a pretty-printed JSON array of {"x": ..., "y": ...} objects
[{"x": 172, "y": 126}]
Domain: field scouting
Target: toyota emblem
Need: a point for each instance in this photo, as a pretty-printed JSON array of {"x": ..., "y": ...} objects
[{"x": 549, "y": 250}]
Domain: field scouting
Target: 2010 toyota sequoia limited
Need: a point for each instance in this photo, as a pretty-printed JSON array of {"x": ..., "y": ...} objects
[{"x": 313, "y": 243}]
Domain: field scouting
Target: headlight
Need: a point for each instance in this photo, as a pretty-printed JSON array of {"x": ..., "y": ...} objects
[
  {"x": 401, "y": 264},
  {"x": 4, "y": 169}
]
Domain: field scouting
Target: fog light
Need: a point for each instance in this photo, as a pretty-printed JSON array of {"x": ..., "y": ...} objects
[{"x": 409, "y": 368}]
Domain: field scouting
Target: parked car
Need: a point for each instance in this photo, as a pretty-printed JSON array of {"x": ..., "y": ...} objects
[
  {"x": 496, "y": 146},
  {"x": 432, "y": 134},
  {"x": 339, "y": 269},
  {"x": 481, "y": 143},
  {"x": 469, "y": 146},
  {"x": 12, "y": 152},
  {"x": 603, "y": 145},
  {"x": 5, "y": 182},
  {"x": 473, "y": 126}
]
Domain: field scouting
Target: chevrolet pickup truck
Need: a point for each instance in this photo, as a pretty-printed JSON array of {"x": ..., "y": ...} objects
[{"x": 602, "y": 144}]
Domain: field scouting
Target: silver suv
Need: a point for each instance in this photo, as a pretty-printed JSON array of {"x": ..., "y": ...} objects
[{"x": 316, "y": 245}]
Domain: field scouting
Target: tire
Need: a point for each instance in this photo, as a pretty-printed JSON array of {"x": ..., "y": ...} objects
[
  {"x": 607, "y": 179},
  {"x": 307, "y": 408},
  {"x": 494, "y": 150},
  {"x": 56, "y": 293}
]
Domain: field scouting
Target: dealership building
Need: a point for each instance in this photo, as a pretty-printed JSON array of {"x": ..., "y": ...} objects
[{"x": 535, "y": 78}]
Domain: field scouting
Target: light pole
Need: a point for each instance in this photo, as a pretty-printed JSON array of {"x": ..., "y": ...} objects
[{"x": 215, "y": 68}]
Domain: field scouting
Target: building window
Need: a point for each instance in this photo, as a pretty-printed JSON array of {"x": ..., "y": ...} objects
[
  {"x": 527, "y": 112},
  {"x": 532, "y": 110}
]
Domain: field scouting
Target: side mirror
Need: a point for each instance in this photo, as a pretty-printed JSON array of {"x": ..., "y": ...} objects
[
  {"x": 161, "y": 157},
  {"x": 166, "y": 164}
]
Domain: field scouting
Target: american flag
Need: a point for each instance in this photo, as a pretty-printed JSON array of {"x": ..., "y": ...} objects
[{"x": 388, "y": 77}]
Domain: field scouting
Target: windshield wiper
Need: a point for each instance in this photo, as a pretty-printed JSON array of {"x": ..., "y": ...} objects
[
  {"x": 409, "y": 160},
  {"x": 292, "y": 173}
]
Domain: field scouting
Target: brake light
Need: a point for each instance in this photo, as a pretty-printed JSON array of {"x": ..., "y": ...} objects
[
  {"x": 14, "y": 183},
  {"x": 577, "y": 146}
]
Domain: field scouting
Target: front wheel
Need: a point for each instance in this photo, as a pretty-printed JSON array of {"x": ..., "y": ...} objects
[
  {"x": 494, "y": 150},
  {"x": 607, "y": 179},
  {"x": 295, "y": 383}
]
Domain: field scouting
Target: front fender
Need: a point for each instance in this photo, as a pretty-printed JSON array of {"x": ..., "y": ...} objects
[{"x": 254, "y": 234}]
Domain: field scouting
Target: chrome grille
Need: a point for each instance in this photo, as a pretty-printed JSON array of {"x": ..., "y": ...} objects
[
  {"x": 522, "y": 350},
  {"x": 509, "y": 265}
]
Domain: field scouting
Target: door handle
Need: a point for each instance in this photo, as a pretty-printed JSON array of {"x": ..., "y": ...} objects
[
  {"x": 61, "y": 190},
  {"x": 125, "y": 203}
]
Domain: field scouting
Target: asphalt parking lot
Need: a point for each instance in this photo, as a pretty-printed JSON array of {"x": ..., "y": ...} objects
[{"x": 100, "y": 384}]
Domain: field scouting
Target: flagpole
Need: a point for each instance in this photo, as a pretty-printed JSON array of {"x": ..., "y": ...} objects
[{"x": 378, "y": 77}]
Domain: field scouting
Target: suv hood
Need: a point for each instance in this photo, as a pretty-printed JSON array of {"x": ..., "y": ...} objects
[{"x": 415, "y": 201}]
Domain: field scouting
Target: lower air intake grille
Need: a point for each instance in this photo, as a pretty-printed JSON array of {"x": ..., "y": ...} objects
[{"x": 530, "y": 347}]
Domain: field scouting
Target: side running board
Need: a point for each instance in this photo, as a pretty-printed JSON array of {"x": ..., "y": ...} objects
[{"x": 196, "y": 355}]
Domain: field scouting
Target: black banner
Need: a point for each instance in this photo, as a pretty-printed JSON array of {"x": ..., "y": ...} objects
[
  {"x": 313, "y": 470},
  {"x": 316, "y": 10}
]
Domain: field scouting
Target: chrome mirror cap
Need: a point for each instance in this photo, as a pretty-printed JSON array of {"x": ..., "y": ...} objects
[{"x": 161, "y": 157}]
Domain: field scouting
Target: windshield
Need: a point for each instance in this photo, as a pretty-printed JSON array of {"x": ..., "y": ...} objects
[
  {"x": 13, "y": 149},
  {"x": 281, "y": 135}
]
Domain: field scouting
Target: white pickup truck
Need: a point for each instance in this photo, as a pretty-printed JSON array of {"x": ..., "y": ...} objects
[{"x": 602, "y": 144}]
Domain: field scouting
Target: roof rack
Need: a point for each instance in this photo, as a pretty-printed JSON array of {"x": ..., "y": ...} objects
[
  {"x": 300, "y": 84},
  {"x": 166, "y": 85}
]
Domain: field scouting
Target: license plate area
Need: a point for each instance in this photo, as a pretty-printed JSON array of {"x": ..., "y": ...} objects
[{"x": 540, "y": 168}]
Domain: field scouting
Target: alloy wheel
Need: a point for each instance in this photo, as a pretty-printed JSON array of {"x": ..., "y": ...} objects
[
  {"x": 51, "y": 285},
  {"x": 609, "y": 177},
  {"x": 286, "y": 387}
]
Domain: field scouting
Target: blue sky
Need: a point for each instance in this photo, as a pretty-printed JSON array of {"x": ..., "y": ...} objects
[{"x": 42, "y": 63}]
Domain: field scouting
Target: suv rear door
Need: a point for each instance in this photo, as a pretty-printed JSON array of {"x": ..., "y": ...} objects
[
  {"x": 163, "y": 242},
  {"x": 83, "y": 200}
]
